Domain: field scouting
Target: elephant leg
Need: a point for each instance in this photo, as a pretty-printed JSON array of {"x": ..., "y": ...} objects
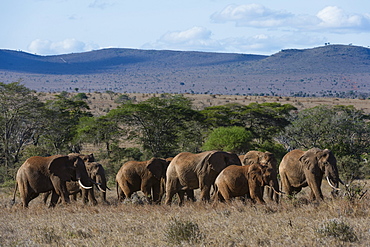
[
  {"x": 172, "y": 187},
  {"x": 181, "y": 194},
  {"x": 190, "y": 195},
  {"x": 121, "y": 196},
  {"x": 104, "y": 197},
  {"x": 205, "y": 192},
  {"x": 263, "y": 190},
  {"x": 316, "y": 193},
  {"x": 60, "y": 188},
  {"x": 92, "y": 196},
  {"x": 147, "y": 193},
  {"x": 85, "y": 196},
  {"x": 54, "y": 199},
  {"x": 156, "y": 193},
  {"x": 46, "y": 196}
]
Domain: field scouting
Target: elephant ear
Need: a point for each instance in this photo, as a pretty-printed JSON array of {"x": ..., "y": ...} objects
[
  {"x": 326, "y": 157},
  {"x": 255, "y": 173},
  {"x": 217, "y": 161},
  {"x": 156, "y": 167},
  {"x": 60, "y": 167},
  {"x": 90, "y": 158},
  {"x": 308, "y": 160}
]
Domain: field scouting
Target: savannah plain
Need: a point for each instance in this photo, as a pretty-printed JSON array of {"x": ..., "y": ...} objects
[{"x": 343, "y": 221}]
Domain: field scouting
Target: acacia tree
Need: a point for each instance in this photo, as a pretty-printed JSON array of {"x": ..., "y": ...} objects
[
  {"x": 157, "y": 122},
  {"x": 63, "y": 118},
  {"x": 264, "y": 121},
  {"x": 342, "y": 129},
  {"x": 21, "y": 121},
  {"x": 98, "y": 130}
]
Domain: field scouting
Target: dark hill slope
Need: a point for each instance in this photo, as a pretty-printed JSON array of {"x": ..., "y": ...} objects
[
  {"x": 333, "y": 70},
  {"x": 114, "y": 59}
]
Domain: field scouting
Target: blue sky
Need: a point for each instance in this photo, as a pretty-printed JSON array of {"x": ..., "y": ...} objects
[{"x": 48, "y": 27}]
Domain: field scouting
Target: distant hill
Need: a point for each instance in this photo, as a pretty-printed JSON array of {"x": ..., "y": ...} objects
[{"x": 332, "y": 70}]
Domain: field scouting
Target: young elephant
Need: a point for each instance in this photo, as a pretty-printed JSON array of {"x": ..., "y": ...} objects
[
  {"x": 236, "y": 181},
  {"x": 141, "y": 175},
  {"x": 267, "y": 159},
  {"x": 300, "y": 169},
  {"x": 188, "y": 171}
]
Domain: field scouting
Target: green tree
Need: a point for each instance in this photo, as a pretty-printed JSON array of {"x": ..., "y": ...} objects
[
  {"x": 264, "y": 120},
  {"x": 98, "y": 130},
  {"x": 342, "y": 129},
  {"x": 63, "y": 118},
  {"x": 21, "y": 121},
  {"x": 231, "y": 139},
  {"x": 157, "y": 122}
]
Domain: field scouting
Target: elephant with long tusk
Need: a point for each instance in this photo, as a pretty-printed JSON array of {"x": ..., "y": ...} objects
[
  {"x": 299, "y": 169},
  {"x": 43, "y": 174},
  {"x": 97, "y": 177}
]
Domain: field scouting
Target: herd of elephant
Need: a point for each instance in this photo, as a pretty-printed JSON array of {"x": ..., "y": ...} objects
[{"x": 228, "y": 174}]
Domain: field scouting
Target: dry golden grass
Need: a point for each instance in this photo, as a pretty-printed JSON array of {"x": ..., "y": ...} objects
[{"x": 291, "y": 223}]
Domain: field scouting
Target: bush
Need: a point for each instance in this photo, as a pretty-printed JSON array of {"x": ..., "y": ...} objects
[
  {"x": 179, "y": 231},
  {"x": 231, "y": 139},
  {"x": 338, "y": 229}
]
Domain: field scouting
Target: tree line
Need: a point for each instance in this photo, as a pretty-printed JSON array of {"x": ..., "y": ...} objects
[{"x": 166, "y": 125}]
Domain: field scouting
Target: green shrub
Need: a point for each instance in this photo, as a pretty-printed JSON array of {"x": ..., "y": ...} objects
[
  {"x": 338, "y": 229},
  {"x": 179, "y": 231}
]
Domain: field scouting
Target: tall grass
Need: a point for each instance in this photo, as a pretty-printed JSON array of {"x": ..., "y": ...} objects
[{"x": 296, "y": 222}]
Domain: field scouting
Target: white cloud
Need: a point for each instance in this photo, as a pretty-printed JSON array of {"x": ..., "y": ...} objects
[
  {"x": 200, "y": 39},
  {"x": 47, "y": 47},
  {"x": 330, "y": 19},
  {"x": 196, "y": 38},
  {"x": 335, "y": 17},
  {"x": 254, "y": 15}
]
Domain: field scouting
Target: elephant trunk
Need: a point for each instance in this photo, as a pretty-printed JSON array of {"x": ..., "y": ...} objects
[{"x": 275, "y": 191}]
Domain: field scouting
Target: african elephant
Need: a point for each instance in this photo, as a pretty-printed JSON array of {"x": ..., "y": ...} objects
[
  {"x": 96, "y": 173},
  {"x": 267, "y": 159},
  {"x": 188, "y": 171},
  {"x": 237, "y": 181},
  {"x": 141, "y": 175},
  {"x": 42, "y": 174},
  {"x": 300, "y": 169}
]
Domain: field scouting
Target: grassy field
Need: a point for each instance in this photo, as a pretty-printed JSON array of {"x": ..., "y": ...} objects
[{"x": 296, "y": 222}]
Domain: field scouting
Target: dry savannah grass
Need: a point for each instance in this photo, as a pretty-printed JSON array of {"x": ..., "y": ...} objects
[
  {"x": 343, "y": 221},
  {"x": 293, "y": 222}
]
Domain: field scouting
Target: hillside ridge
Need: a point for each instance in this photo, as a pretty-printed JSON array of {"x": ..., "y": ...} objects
[{"x": 331, "y": 70}]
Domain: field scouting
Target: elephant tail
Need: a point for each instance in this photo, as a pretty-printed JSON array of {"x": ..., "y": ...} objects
[{"x": 15, "y": 192}]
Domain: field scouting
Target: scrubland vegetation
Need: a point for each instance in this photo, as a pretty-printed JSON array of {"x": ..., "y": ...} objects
[{"x": 132, "y": 130}]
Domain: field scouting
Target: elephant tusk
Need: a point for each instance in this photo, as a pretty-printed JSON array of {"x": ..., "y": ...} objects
[
  {"x": 327, "y": 178},
  {"x": 277, "y": 192},
  {"x": 100, "y": 189},
  {"x": 83, "y": 186}
]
